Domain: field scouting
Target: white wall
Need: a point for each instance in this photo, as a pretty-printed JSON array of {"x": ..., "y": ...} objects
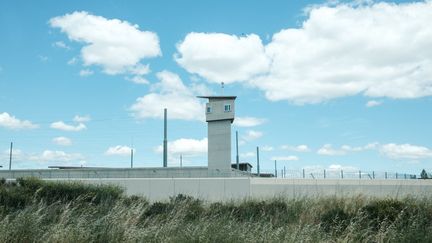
[{"x": 225, "y": 189}]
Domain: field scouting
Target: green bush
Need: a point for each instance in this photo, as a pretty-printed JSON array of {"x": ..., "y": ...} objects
[
  {"x": 39, "y": 211},
  {"x": 335, "y": 220},
  {"x": 382, "y": 211}
]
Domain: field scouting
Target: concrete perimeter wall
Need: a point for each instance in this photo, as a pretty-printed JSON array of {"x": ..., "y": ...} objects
[{"x": 225, "y": 189}]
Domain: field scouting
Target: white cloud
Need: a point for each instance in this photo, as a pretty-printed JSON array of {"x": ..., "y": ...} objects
[
  {"x": 317, "y": 62},
  {"x": 267, "y": 148},
  {"x": 285, "y": 158},
  {"x": 56, "y": 156},
  {"x": 85, "y": 72},
  {"x": 11, "y": 122},
  {"x": 339, "y": 167},
  {"x": 376, "y": 50},
  {"x": 63, "y": 141},
  {"x": 405, "y": 151},
  {"x": 81, "y": 119},
  {"x": 335, "y": 168},
  {"x": 119, "y": 150},
  {"x": 372, "y": 103},
  {"x": 248, "y": 121},
  {"x": 251, "y": 135},
  {"x": 138, "y": 80},
  {"x": 248, "y": 154},
  {"x": 170, "y": 93},
  {"x": 115, "y": 45},
  {"x": 47, "y": 156},
  {"x": 222, "y": 58},
  {"x": 72, "y": 61},
  {"x": 43, "y": 58},
  {"x": 61, "y": 44},
  {"x": 60, "y": 125},
  {"x": 186, "y": 147},
  {"x": 298, "y": 148},
  {"x": 328, "y": 149}
]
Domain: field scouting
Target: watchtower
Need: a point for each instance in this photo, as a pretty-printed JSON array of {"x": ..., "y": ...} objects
[{"x": 220, "y": 112}]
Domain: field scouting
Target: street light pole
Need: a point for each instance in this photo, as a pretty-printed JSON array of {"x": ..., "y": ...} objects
[{"x": 10, "y": 156}]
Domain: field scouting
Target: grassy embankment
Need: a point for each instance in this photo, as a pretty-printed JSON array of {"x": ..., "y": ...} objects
[{"x": 36, "y": 211}]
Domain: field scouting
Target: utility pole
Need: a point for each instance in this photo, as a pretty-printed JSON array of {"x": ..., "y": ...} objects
[
  {"x": 10, "y": 156},
  {"x": 131, "y": 158},
  {"x": 258, "y": 165},
  {"x": 165, "y": 143},
  {"x": 275, "y": 169},
  {"x": 237, "y": 154}
]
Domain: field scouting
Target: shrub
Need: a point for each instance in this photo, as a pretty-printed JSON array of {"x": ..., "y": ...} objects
[
  {"x": 380, "y": 211},
  {"x": 335, "y": 219}
]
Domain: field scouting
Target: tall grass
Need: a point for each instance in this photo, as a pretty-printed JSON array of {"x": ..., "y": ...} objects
[{"x": 36, "y": 211}]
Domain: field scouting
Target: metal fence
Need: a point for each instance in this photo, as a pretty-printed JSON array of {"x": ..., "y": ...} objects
[
  {"x": 342, "y": 174},
  {"x": 198, "y": 172}
]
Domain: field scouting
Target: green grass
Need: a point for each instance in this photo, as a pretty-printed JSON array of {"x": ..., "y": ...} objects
[{"x": 38, "y": 211}]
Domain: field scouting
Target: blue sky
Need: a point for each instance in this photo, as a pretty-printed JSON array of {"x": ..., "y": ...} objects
[{"x": 320, "y": 85}]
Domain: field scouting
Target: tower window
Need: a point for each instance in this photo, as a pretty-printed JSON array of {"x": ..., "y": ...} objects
[
  {"x": 208, "y": 109},
  {"x": 227, "y": 108}
]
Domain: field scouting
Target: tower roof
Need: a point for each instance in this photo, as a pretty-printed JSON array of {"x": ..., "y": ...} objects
[{"x": 216, "y": 97}]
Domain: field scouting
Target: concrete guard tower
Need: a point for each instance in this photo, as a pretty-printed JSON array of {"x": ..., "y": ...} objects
[{"x": 220, "y": 113}]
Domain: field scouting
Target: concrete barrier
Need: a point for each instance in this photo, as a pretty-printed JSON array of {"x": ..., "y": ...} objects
[{"x": 225, "y": 189}]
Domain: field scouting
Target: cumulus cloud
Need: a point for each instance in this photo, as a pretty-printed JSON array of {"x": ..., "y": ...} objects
[
  {"x": 248, "y": 121},
  {"x": 119, "y": 150},
  {"x": 61, "y": 44},
  {"x": 79, "y": 119},
  {"x": 248, "y": 154},
  {"x": 221, "y": 57},
  {"x": 63, "y": 141},
  {"x": 376, "y": 50},
  {"x": 170, "y": 93},
  {"x": 331, "y": 168},
  {"x": 56, "y": 156},
  {"x": 115, "y": 45},
  {"x": 185, "y": 146},
  {"x": 138, "y": 80},
  {"x": 47, "y": 156},
  {"x": 373, "y": 103},
  {"x": 85, "y": 72},
  {"x": 267, "y": 148},
  {"x": 285, "y": 158},
  {"x": 327, "y": 149},
  {"x": 79, "y": 126},
  {"x": 405, "y": 151},
  {"x": 298, "y": 148},
  {"x": 11, "y": 122},
  {"x": 251, "y": 135},
  {"x": 60, "y": 125}
]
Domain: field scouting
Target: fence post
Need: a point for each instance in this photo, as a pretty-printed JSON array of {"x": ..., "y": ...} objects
[{"x": 341, "y": 174}]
